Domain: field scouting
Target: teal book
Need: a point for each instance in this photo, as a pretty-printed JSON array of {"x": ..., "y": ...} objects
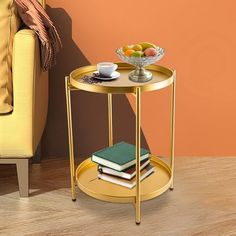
[{"x": 119, "y": 157}]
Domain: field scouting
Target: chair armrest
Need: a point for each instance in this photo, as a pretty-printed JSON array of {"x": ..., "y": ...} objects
[
  {"x": 30, "y": 89},
  {"x": 25, "y": 69}
]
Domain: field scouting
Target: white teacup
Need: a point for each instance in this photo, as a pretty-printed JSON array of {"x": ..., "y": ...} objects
[{"x": 106, "y": 68}]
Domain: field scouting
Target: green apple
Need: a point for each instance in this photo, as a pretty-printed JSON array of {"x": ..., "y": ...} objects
[{"x": 137, "y": 54}]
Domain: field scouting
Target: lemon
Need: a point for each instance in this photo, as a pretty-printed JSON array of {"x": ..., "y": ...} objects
[
  {"x": 137, "y": 47},
  {"x": 125, "y": 48}
]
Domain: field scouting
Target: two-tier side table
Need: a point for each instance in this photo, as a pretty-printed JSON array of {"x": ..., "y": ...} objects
[{"x": 85, "y": 175}]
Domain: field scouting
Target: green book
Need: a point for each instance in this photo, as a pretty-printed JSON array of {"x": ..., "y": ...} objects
[{"x": 120, "y": 156}]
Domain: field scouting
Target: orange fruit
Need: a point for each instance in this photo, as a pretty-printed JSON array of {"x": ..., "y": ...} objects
[{"x": 129, "y": 52}]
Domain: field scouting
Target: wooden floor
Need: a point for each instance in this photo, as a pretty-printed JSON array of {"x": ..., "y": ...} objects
[{"x": 203, "y": 203}]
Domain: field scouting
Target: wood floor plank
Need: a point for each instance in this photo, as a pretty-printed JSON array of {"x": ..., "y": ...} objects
[{"x": 203, "y": 203}]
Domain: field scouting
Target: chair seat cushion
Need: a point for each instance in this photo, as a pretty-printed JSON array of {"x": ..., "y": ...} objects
[{"x": 9, "y": 25}]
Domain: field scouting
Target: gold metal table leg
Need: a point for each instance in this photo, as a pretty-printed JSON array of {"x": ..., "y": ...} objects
[
  {"x": 138, "y": 120},
  {"x": 70, "y": 136},
  {"x": 110, "y": 125},
  {"x": 173, "y": 131}
]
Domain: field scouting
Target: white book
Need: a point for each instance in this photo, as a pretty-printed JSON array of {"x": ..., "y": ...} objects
[{"x": 127, "y": 183}]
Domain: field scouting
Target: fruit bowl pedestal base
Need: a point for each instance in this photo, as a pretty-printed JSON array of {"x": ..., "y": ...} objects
[{"x": 140, "y": 75}]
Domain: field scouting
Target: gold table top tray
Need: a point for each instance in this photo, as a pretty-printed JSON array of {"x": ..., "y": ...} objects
[{"x": 162, "y": 77}]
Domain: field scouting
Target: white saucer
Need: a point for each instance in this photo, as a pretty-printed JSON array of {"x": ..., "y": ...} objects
[{"x": 114, "y": 75}]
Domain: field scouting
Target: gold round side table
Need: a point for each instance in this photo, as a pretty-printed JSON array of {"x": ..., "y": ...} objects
[{"x": 85, "y": 175}]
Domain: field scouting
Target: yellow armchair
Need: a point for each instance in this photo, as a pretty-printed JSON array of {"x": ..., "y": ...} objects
[{"x": 21, "y": 130}]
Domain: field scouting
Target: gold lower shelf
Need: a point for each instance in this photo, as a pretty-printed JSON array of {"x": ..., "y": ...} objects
[{"x": 152, "y": 186}]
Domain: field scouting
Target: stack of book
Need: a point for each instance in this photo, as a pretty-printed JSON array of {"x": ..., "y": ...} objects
[{"x": 117, "y": 164}]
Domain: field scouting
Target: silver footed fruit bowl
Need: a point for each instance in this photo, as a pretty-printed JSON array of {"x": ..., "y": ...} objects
[{"x": 140, "y": 74}]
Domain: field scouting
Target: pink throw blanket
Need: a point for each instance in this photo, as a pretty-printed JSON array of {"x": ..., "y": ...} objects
[{"x": 36, "y": 18}]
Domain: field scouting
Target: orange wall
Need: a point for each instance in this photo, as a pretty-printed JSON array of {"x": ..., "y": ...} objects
[{"x": 199, "y": 38}]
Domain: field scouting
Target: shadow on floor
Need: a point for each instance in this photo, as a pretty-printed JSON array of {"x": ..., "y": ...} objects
[{"x": 50, "y": 175}]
